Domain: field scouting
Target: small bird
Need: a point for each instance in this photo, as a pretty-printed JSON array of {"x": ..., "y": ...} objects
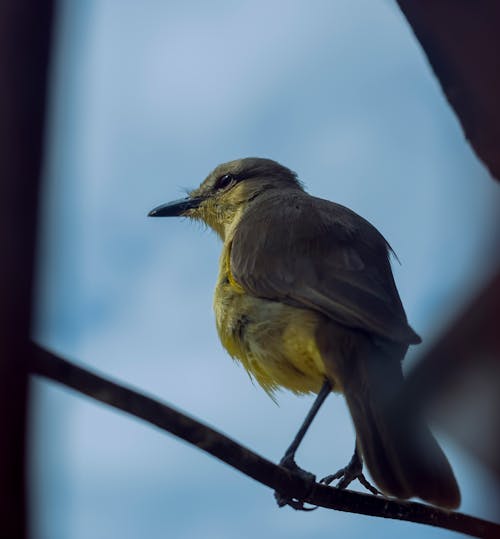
[{"x": 306, "y": 300}]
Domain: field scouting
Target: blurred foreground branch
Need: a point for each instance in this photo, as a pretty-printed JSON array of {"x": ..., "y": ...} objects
[
  {"x": 262, "y": 470},
  {"x": 458, "y": 379},
  {"x": 461, "y": 40},
  {"x": 25, "y": 36}
]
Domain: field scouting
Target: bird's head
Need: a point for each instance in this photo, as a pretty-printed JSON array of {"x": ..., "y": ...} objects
[{"x": 228, "y": 190}]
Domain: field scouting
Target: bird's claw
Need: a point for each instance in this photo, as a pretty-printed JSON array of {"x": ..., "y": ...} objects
[
  {"x": 290, "y": 464},
  {"x": 298, "y": 505},
  {"x": 347, "y": 475}
]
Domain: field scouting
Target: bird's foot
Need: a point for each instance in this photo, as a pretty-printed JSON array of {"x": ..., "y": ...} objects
[
  {"x": 351, "y": 472},
  {"x": 289, "y": 463}
]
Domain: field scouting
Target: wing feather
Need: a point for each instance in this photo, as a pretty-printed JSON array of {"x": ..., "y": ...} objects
[{"x": 316, "y": 254}]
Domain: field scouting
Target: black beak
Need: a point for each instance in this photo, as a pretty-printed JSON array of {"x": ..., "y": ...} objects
[{"x": 175, "y": 208}]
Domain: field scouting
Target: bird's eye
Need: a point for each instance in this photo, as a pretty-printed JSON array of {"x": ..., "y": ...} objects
[{"x": 224, "y": 181}]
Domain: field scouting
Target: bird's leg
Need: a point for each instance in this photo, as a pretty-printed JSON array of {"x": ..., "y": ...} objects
[
  {"x": 288, "y": 460},
  {"x": 354, "y": 470}
]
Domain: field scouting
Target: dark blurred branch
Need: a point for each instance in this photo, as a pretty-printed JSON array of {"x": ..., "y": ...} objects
[
  {"x": 25, "y": 31},
  {"x": 473, "y": 336},
  {"x": 462, "y": 42},
  {"x": 245, "y": 460},
  {"x": 459, "y": 377}
]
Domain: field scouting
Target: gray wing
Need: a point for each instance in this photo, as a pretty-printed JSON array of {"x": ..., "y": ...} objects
[{"x": 312, "y": 253}]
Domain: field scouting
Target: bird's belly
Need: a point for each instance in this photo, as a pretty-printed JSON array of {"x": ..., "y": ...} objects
[{"x": 275, "y": 342}]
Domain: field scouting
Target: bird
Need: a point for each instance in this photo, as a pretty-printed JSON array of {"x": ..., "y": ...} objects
[{"x": 306, "y": 300}]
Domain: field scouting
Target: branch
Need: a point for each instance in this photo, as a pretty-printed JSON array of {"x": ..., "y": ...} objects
[
  {"x": 461, "y": 41},
  {"x": 25, "y": 54},
  {"x": 472, "y": 338},
  {"x": 262, "y": 470},
  {"x": 469, "y": 349}
]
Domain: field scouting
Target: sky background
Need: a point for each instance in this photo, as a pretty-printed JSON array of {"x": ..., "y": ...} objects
[{"x": 147, "y": 98}]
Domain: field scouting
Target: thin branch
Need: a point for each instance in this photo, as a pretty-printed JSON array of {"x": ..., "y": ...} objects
[{"x": 262, "y": 470}]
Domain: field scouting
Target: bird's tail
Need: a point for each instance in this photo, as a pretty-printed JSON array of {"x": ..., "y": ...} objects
[{"x": 402, "y": 455}]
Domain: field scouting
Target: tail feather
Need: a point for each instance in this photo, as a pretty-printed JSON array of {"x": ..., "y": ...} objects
[
  {"x": 402, "y": 455},
  {"x": 400, "y": 452}
]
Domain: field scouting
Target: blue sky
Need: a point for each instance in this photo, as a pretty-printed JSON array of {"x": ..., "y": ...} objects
[{"x": 148, "y": 97}]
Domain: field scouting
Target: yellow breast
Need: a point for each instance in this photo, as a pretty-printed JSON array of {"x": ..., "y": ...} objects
[{"x": 275, "y": 342}]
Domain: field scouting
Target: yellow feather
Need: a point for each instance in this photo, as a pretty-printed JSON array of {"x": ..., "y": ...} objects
[{"x": 274, "y": 342}]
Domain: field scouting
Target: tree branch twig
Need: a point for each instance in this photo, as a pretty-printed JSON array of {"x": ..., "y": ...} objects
[{"x": 289, "y": 484}]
